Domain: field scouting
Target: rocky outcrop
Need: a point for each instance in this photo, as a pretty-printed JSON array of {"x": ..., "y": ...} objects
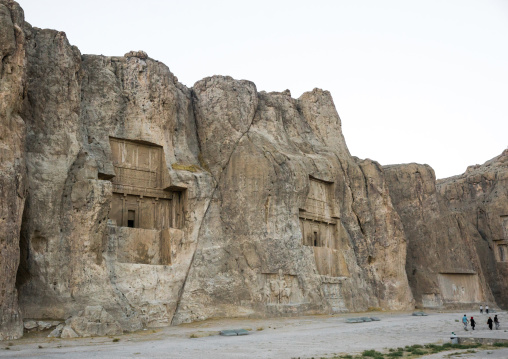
[
  {"x": 132, "y": 201},
  {"x": 74, "y": 105},
  {"x": 92, "y": 322},
  {"x": 12, "y": 162},
  {"x": 442, "y": 265},
  {"x": 480, "y": 196},
  {"x": 251, "y": 234},
  {"x": 219, "y": 230}
]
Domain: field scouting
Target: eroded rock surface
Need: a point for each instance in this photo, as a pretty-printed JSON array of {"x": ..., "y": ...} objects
[
  {"x": 127, "y": 194},
  {"x": 480, "y": 196},
  {"x": 12, "y": 162},
  {"x": 443, "y": 265},
  {"x": 92, "y": 322}
]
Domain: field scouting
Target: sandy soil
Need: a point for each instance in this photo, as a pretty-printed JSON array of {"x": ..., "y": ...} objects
[{"x": 302, "y": 337}]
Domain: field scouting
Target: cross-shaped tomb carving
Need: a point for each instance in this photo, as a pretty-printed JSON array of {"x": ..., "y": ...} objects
[
  {"x": 318, "y": 218},
  {"x": 139, "y": 197}
]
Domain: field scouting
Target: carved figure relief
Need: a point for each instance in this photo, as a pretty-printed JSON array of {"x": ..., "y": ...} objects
[
  {"x": 155, "y": 315},
  {"x": 281, "y": 289}
]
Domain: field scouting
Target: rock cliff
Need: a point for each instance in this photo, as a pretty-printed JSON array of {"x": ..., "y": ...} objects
[
  {"x": 124, "y": 190},
  {"x": 480, "y": 196},
  {"x": 443, "y": 266},
  {"x": 12, "y": 162}
]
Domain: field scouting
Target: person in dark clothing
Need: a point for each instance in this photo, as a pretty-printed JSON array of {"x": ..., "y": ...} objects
[
  {"x": 489, "y": 322},
  {"x": 472, "y": 322},
  {"x": 496, "y": 322}
]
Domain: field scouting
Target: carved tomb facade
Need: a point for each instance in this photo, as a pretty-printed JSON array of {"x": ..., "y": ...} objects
[
  {"x": 142, "y": 204},
  {"x": 320, "y": 226}
]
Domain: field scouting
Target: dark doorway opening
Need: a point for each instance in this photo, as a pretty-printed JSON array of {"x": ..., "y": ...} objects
[{"x": 130, "y": 218}]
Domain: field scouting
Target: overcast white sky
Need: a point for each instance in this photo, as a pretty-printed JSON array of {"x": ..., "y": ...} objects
[{"x": 413, "y": 81}]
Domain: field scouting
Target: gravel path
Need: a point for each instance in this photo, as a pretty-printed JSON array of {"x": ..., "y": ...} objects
[{"x": 305, "y": 337}]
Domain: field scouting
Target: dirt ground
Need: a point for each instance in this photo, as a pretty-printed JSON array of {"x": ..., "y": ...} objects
[{"x": 301, "y": 337}]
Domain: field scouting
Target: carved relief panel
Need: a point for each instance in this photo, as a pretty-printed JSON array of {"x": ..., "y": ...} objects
[
  {"x": 136, "y": 164},
  {"x": 460, "y": 287},
  {"x": 279, "y": 288},
  {"x": 332, "y": 291},
  {"x": 319, "y": 203}
]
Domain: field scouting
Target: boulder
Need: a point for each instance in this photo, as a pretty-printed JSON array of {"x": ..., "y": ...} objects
[
  {"x": 94, "y": 321},
  {"x": 42, "y": 325},
  {"x": 30, "y": 324},
  {"x": 68, "y": 332}
]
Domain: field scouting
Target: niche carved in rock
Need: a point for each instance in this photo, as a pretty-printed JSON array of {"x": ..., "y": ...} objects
[
  {"x": 139, "y": 197},
  {"x": 460, "y": 287},
  {"x": 143, "y": 201},
  {"x": 320, "y": 225}
]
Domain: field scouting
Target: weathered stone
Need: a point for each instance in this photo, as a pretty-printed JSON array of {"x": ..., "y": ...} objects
[
  {"x": 30, "y": 324},
  {"x": 480, "y": 196},
  {"x": 57, "y": 332},
  {"x": 442, "y": 264},
  {"x": 140, "y": 54},
  {"x": 43, "y": 325},
  {"x": 94, "y": 321},
  {"x": 12, "y": 162},
  {"x": 148, "y": 203},
  {"x": 68, "y": 332},
  {"x": 259, "y": 163}
]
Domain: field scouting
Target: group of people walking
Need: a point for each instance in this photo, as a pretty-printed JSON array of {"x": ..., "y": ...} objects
[{"x": 490, "y": 322}]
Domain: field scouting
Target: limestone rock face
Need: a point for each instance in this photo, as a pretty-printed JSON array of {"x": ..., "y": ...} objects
[
  {"x": 131, "y": 201},
  {"x": 252, "y": 259},
  {"x": 12, "y": 162},
  {"x": 73, "y": 254},
  {"x": 442, "y": 264},
  {"x": 163, "y": 204},
  {"x": 480, "y": 196}
]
